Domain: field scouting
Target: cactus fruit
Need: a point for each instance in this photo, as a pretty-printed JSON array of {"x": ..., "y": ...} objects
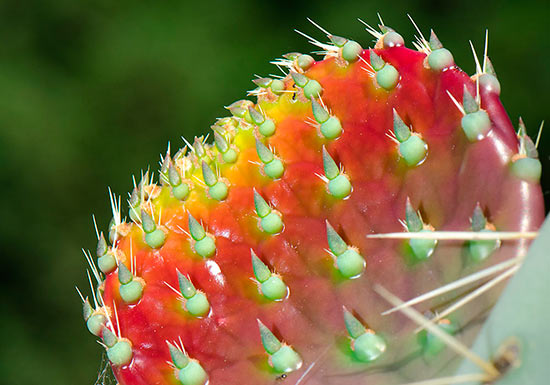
[{"x": 263, "y": 255}]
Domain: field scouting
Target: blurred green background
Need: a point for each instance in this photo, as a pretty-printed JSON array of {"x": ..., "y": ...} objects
[{"x": 92, "y": 91}]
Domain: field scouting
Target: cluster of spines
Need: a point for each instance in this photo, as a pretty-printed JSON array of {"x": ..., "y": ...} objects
[{"x": 411, "y": 147}]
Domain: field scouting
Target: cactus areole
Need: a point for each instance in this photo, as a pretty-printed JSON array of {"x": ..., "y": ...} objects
[{"x": 252, "y": 260}]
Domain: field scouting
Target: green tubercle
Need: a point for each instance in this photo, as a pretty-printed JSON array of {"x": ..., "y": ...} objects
[
  {"x": 229, "y": 154},
  {"x": 304, "y": 62},
  {"x": 131, "y": 292},
  {"x": 339, "y": 187},
  {"x": 274, "y": 169},
  {"x": 432, "y": 345},
  {"x": 368, "y": 347},
  {"x": 393, "y": 39},
  {"x": 440, "y": 59},
  {"x": 267, "y": 128},
  {"x": 387, "y": 77},
  {"x": 286, "y": 360},
  {"x": 274, "y": 288},
  {"x": 413, "y": 150},
  {"x": 216, "y": 188},
  {"x": 109, "y": 338},
  {"x": 206, "y": 247},
  {"x": 332, "y": 128},
  {"x": 95, "y": 323},
  {"x": 277, "y": 86},
  {"x": 272, "y": 223},
  {"x": 423, "y": 248},
  {"x": 192, "y": 374},
  {"x": 350, "y": 263},
  {"x": 528, "y": 169},
  {"x": 476, "y": 125},
  {"x": 107, "y": 263},
  {"x": 155, "y": 239},
  {"x": 121, "y": 353},
  {"x": 181, "y": 191},
  {"x": 313, "y": 89},
  {"x": 261, "y": 271},
  {"x": 198, "y": 305},
  {"x": 480, "y": 250},
  {"x": 351, "y": 51}
]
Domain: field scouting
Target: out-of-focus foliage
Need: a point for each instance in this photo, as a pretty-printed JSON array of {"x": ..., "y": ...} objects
[{"x": 92, "y": 91}]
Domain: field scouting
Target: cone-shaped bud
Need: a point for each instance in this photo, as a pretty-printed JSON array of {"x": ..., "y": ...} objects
[
  {"x": 261, "y": 271},
  {"x": 299, "y": 79},
  {"x": 263, "y": 151},
  {"x": 351, "y": 51},
  {"x": 163, "y": 174},
  {"x": 239, "y": 108},
  {"x": 434, "y": 41},
  {"x": 262, "y": 82},
  {"x": 269, "y": 341},
  {"x": 329, "y": 165},
  {"x": 304, "y": 62},
  {"x": 291, "y": 55},
  {"x": 400, "y": 129},
  {"x": 262, "y": 208},
  {"x": 109, "y": 338},
  {"x": 335, "y": 243},
  {"x": 87, "y": 309},
  {"x": 376, "y": 62},
  {"x": 412, "y": 219},
  {"x": 319, "y": 113},
  {"x": 102, "y": 247},
  {"x": 124, "y": 275},
  {"x": 221, "y": 143},
  {"x": 187, "y": 289},
  {"x": 353, "y": 326},
  {"x": 469, "y": 102},
  {"x": 338, "y": 41},
  {"x": 147, "y": 222},
  {"x": 479, "y": 250},
  {"x": 173, "y": 175},
  {"x": 198, "y": 146},
  {"x": 195, "y": 228},
  {"x": 179, "y": 358},
  {"x": 208, "y": 175},
  {"x": 255, "y": 115}
]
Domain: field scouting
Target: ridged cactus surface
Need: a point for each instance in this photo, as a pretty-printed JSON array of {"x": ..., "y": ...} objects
[{"x": 255, "y": 257}]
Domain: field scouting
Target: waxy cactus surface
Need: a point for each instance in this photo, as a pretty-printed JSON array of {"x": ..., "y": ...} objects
[{"x": 260, "y": 257}]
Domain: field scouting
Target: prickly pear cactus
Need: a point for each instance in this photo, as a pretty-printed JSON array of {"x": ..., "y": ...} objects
[{"x": 275, "y": 253}]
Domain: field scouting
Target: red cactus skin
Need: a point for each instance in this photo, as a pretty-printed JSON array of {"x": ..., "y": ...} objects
[{"x": 456, "y": 175}]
